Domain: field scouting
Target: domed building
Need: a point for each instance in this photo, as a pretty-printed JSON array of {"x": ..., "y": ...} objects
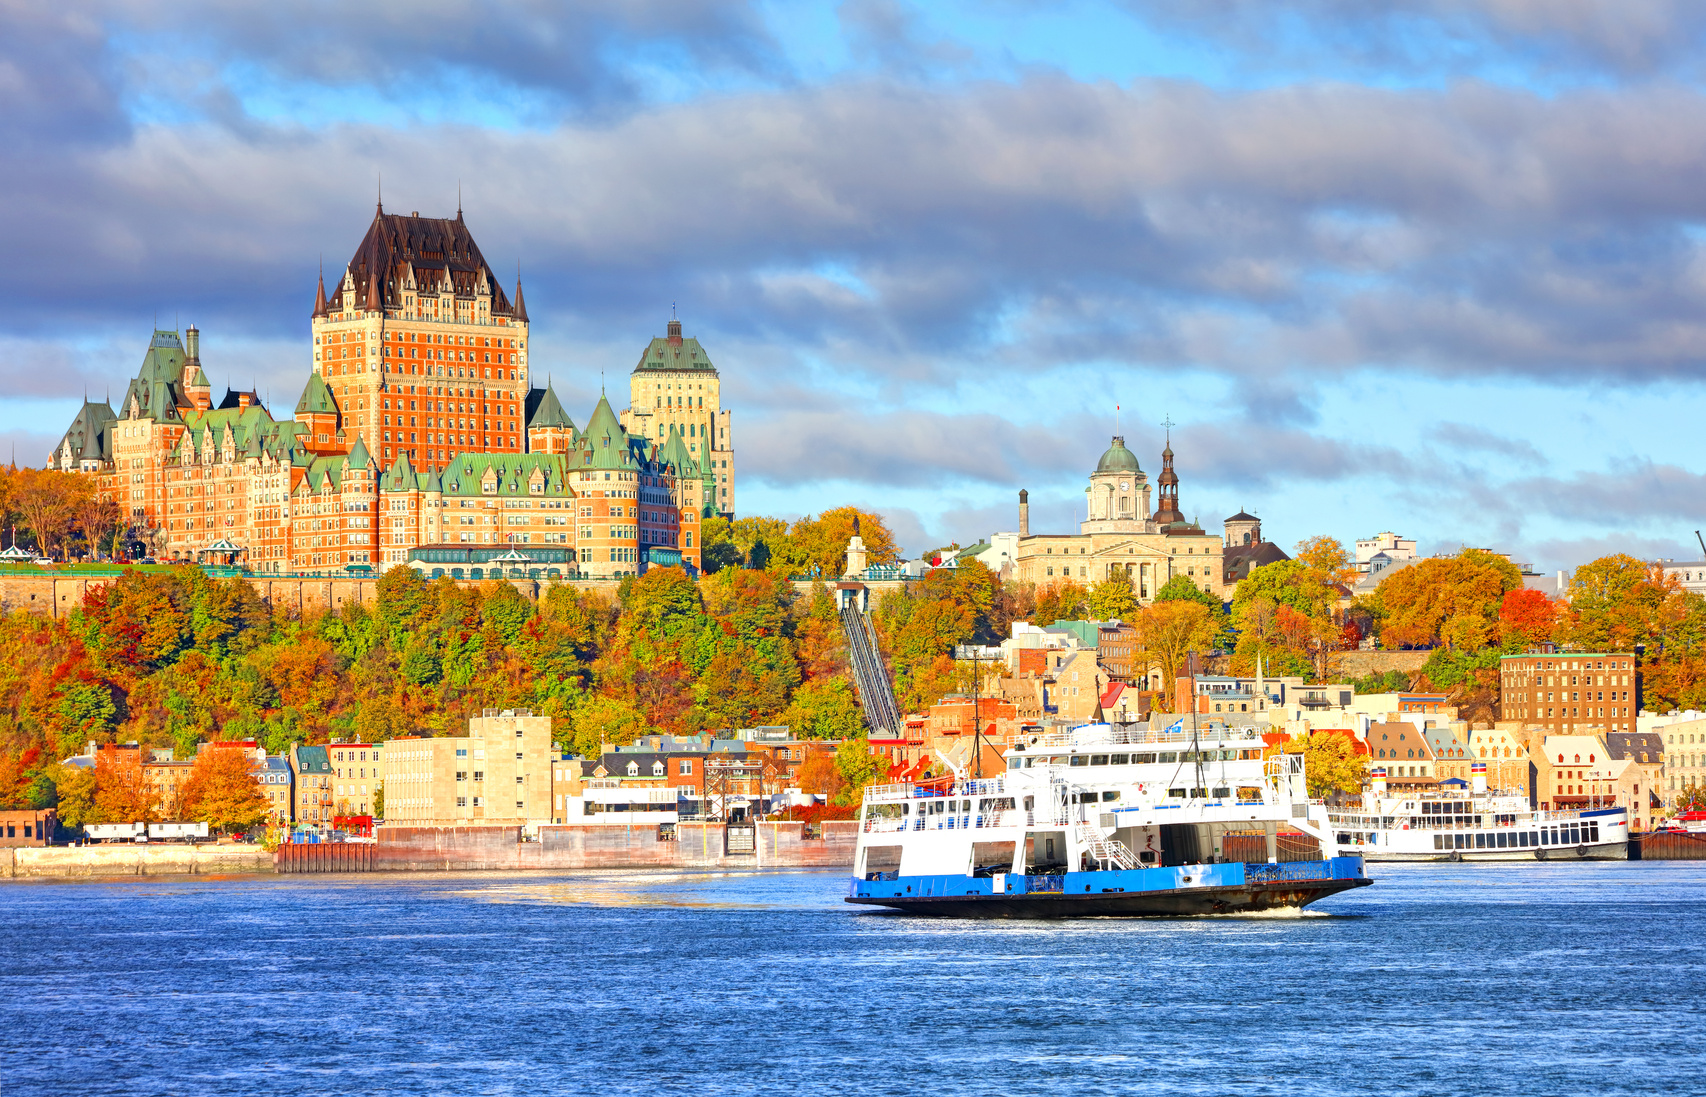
[{"x": 1120, "y": 535}]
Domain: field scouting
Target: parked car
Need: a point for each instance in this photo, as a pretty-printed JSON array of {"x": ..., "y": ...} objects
[{"x": 45, "y": 562}]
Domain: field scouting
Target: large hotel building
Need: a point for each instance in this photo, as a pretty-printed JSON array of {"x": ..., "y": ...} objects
[{"x": 419, "y": 437}]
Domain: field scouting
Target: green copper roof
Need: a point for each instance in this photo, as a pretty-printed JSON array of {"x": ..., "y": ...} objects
[
  {"x": 604, "y": 444},
  {"x": 317, "y": 397},
  {"x": 1118, "y": 458},
  {"x": 661, "y": 355},
  {"x": 550, "y": 413},
  {"x": 358, "y": 456},
  {"x": 200, "y": 379},
  {"x": 510, "y": 474}
]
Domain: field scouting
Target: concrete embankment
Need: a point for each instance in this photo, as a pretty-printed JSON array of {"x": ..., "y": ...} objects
[
  {"x": 688, "y": 845},
  {"x": 123, "y": 859}
]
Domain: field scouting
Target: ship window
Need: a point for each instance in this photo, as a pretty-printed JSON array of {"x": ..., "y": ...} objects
[
  {"x": 1015, "y": 763},
  {"x": 1167, "y": 757},
  {"x": 1080, "y": 760},
  {"x": 1502, "y": 837},
  {"x": 1110, "y": 795},
  {"x": 1098, "y": 759},
  {"x": 1118, "y": 759},
  {"x": 1176, "y": 794}
]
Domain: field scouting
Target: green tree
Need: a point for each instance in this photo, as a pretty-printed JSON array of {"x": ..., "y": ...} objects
[
  {"x": 825, "y": 709},
  {"x": 857, "y": 767},
  {"x": 1180, "y": 588}
]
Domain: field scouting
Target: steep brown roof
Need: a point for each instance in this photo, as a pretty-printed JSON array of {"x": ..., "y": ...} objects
[{"x": 440, "y": 251}]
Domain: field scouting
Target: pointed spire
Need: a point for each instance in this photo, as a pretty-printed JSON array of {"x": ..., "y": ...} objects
[
  {"x": 379, "y": 203},
  {"x": 520, "y": 303},
  {"x": 320, "y": 292}
]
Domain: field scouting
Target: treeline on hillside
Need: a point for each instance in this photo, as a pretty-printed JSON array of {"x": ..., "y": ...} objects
[
  {"x": 57, "y": 513},
  {"x": 1472, "y": 608}
]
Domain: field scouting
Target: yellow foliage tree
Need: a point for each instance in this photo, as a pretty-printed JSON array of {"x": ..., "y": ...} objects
[
  {"x": 1331, "y": 762},
  {"x": 1169, "y": 632}
]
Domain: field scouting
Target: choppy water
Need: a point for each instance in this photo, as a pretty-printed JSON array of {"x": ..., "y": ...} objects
[{"x": 1439, "y": 980}]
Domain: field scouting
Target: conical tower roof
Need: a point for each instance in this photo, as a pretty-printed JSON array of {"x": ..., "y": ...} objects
[
  {"x": 358, "y": 455},
  {"x": 549, "y": 412},
  {"x": 320, "y": 296},
  {"x": 605, "y": 438}
]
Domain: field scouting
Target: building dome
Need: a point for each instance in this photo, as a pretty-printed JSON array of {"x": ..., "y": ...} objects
[{"x": 1118, "y": 458}]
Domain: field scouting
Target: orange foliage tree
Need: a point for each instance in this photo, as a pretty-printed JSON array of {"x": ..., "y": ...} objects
[{"x": 222, "y": 792}]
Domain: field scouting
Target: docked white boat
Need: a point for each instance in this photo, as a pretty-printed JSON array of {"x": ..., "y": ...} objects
[
  {"x": 1473, "y": 825},
  {"x": 1101, "y": 821}
]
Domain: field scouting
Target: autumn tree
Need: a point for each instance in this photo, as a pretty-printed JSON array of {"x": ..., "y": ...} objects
[
  {"x": 1060, "y": 600},
  {"x": 857, "y": 767},
  {"x": 1113, "y": 599},
  {"x": 1327, "y": 558},
  {"x": 819, "y": 545},
  {"x": 1180, "y": 588},
  {"x": 222, "y": 792},
  {"x": 1331, "y": 762},
  {"x": 47, "y": 501},
  {"x": 1169, "y": 632},
  {"x": 1527, "y": 617},
  {"x": 1450, "y": 600},
  {"x": 122, "y": 794}
]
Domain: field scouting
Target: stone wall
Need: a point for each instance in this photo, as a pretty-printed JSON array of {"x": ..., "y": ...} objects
[
  {"x": 56, "y": 595},
  {"x": 1360, "y": 664},
  {"x": 125, "y": 859}
]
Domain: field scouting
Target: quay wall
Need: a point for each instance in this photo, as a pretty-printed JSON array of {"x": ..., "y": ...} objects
[
  {"x": 1668, "y": 847},
  {"x": 125, "y": 859},
  {"x": 462, "y": 849}
]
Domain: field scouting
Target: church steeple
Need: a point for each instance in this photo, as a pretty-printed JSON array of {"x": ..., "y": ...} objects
[{"x": 1168, "y": 512}]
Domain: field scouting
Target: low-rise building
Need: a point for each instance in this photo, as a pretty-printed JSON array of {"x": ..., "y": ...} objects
[
  {"x": 357, "y": 772},
  {"x": 313, "y": 766},
  {"x": 1405, "y": 752},
  {"x": 278, "y": 785},
  {"x": 499, "y": 774},
  {"x": 28, "y": 827},
  {"x": 1503, "y": 748}
]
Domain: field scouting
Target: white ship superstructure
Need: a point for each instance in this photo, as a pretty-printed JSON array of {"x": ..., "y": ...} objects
[{"x": 1124, "y": 821}]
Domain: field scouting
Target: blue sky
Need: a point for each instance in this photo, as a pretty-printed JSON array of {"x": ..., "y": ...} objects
[{"x": 1432, "y": 266}]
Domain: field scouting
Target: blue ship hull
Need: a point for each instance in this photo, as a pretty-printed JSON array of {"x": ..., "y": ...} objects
[{"x": 1145, "y": 892}]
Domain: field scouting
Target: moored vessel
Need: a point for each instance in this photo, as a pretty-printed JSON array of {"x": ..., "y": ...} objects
[
  {"x": 1473, "y": 825},
  {"x": 1101, "y": 821}
]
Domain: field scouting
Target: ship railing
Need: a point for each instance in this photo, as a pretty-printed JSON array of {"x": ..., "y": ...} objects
[
  {"x": 886, "y": 825},
  {"x": 981, "y": 786},
  {"x": 1557, "y": 816}
]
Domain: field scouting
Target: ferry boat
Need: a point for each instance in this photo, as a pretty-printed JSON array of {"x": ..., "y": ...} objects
[
  {"x": 1101, "y": 821},
  {"x": 1473, "y": 825}
]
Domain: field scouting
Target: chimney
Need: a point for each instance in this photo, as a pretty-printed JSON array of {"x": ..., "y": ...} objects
[
  {"x": 675, "y": 333},
  {"x": 192, "y": 343},
  {"x": 1024, "y": 513}
]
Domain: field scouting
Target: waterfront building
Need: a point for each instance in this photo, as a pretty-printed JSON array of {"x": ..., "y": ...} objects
[
  {"x": 1406, "y": 753},
  {"x": 27, "y": 827},
  {"x": 1503, "y": 748},
  {"x": 1577, "y": 772},
  {"x": 1568, "y": 692},
  {"x": 1684, "y": 756},
  {"x": 418, "y": 425},
  {"x": 357, "y": 772},
  {"x": 499, "y": 774},
  {"x": 313, "y": 769},
  {"x": 1120, "y": 537}
]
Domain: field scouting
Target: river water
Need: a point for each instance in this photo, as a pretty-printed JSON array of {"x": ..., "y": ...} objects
[{"x": 1440, "y": 980}]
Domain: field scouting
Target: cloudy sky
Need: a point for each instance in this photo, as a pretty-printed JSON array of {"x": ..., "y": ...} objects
[{"x": 1439, "y": 269}]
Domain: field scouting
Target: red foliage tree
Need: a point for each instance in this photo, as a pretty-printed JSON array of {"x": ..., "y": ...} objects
[{"x": 1527, "y": 615}]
